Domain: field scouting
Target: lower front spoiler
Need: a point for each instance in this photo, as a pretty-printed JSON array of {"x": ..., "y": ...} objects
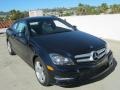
[{"x": 83, "y": 80}]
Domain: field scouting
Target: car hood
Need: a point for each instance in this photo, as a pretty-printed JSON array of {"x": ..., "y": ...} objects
[{"x": 74, "y": 42}]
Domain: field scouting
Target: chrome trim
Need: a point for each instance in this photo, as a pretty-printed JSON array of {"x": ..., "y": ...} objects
[
  {"x": 56, "y": 78},
  {"x": 84, "y": 60},
  {"x": 88, "y": 57},
  {"x": 101, "y": 55},
  {"x": 101, "y": 50},
  {"x": 83, "y": 55}
]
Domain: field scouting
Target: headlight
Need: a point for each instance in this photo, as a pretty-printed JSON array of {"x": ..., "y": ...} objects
[
  {"x": 60, "y": 60},
  {"x": 107, "y": 48}
]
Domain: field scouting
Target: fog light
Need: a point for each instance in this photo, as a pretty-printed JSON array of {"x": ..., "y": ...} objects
[{"x": 50, "y": 68}]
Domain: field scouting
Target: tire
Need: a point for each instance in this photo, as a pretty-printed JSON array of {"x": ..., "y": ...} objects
[
  {"x": 41, "y": 72},
  {"x": 10, "y": 50}
]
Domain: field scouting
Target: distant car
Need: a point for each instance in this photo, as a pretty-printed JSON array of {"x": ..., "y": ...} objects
[{"x": 58, "y": 51}]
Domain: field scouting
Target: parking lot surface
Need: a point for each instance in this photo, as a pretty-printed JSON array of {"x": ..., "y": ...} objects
[{"x": 15, "y": 74}]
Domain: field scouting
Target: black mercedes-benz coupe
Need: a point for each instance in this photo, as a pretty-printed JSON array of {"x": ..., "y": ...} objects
[{"x": 57, "y": 50}]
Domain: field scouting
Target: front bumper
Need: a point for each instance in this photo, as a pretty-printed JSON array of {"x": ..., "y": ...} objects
[{"x": 68, "y": 75}]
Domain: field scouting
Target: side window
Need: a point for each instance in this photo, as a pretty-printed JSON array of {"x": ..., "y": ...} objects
[
  {"x": 21, "y": 27},
  {"x": 14, "y": 26}
]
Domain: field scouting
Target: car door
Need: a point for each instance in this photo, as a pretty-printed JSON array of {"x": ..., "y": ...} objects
[{"x": 20, "y": 40}]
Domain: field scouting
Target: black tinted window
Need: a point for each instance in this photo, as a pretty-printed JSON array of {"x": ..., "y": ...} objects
[{"x": 49, "y": 26}]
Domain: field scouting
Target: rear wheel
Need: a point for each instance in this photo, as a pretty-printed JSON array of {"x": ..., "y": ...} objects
[
  {"x": 10, "y": 50},
  {"x": 41, "y": 72}
]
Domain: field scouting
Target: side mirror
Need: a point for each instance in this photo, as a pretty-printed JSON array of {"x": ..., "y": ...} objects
[{"x": 75, "y": 27}]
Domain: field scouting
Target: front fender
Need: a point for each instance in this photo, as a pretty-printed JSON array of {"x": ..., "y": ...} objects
[{"x": 41, "y": 52}]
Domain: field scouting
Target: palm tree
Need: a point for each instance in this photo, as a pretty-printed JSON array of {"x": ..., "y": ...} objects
[
  {"x": 115, "y": 8},
  {"x": 103, "y": 8}
]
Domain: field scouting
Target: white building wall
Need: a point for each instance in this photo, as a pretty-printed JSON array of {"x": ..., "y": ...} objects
[
  {"x": 33, "y": 13},
  {"x": 104, "y": 26}
]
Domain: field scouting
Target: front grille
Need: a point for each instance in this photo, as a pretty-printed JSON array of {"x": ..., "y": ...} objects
[{"x": 92, "y": 56}]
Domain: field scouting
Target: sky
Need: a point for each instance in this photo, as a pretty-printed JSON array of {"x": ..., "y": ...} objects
[{"x": 7, "y": 5}]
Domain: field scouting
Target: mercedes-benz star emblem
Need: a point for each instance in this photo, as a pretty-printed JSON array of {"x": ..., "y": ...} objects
[{"x": 95, "y": 55}]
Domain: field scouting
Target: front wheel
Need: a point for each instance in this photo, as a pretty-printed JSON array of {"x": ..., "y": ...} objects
[{"x": 41, "y": 72}]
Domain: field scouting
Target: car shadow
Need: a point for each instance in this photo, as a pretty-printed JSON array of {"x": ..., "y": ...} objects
[{"x": 93, "y": 80}]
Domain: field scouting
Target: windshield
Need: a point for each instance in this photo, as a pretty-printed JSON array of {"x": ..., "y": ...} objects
[{"x": 49, "y": 26}]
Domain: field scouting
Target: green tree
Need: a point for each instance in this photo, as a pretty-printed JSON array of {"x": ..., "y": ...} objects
[
  {"x": 16, "y": 14},
  {"x": 81, "y": 10},
  {"x": 115, "y": 8},
  {"x": 90, "y": 10},
  {"x": 1, "y": 18},
  {"x": 103, "y": 8},
  {"x": 86, "y": 10}
]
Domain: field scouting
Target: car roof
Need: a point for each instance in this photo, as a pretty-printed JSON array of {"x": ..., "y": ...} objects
[{"x": 37, "y": 18}]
